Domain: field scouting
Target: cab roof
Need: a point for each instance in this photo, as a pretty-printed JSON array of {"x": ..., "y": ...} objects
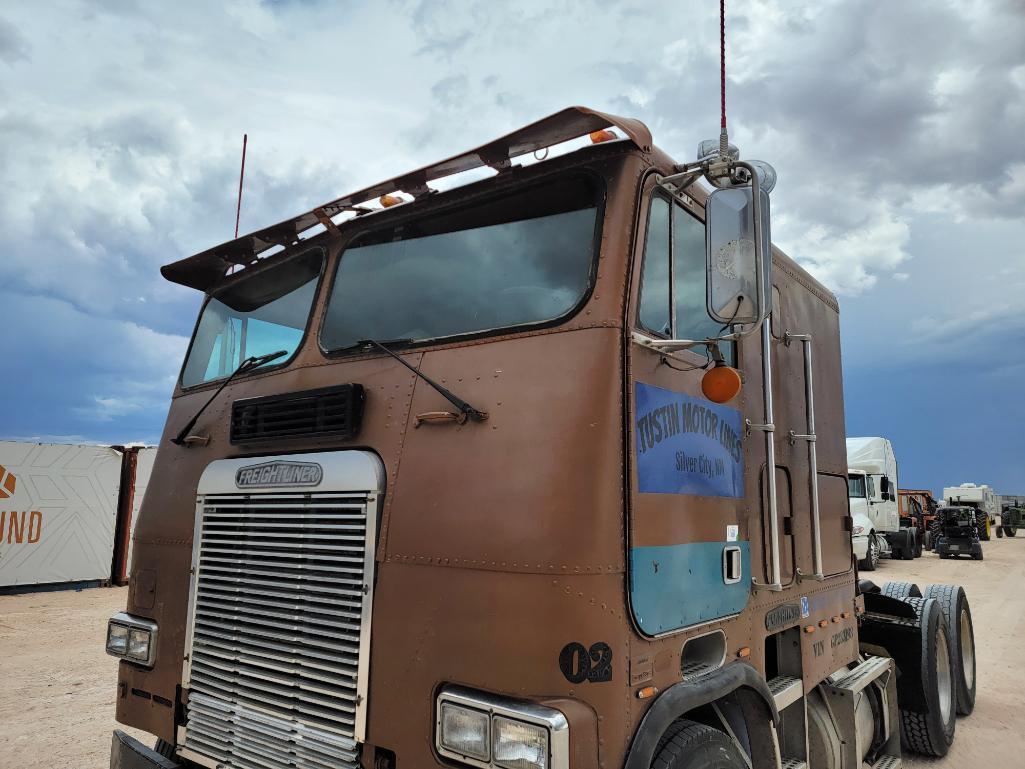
[{"x": 208, "y": 267}]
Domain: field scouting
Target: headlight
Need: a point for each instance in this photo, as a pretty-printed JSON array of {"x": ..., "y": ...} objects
[
  {"x": 858, "y": 529},
  {"x": 519, "y": 745},
  {"x": 117, "y": 639},
  {"x": 132, "y": 638},
  {"x": 492, "y": 732},
  {"x": 465, "y": 731}
]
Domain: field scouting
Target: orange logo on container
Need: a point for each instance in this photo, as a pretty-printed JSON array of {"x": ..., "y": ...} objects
[{"x": 7, "y": 483}]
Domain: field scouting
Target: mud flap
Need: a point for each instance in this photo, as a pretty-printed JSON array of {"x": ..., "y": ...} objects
[{"x": 893, "y": 624}]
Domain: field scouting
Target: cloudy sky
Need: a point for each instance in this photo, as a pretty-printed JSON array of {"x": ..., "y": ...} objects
[{"x": 897, "y": 129}]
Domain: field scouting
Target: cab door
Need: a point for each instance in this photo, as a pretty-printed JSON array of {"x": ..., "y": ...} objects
[{"x": 690, "y": 558}]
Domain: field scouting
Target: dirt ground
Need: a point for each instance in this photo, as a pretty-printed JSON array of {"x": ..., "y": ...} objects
[{"x": 57, "y": 695}]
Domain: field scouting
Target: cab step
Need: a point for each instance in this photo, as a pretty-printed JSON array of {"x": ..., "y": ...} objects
[
  {"x": 785, "y": 690},
  {"x": 887, "y": 762}
]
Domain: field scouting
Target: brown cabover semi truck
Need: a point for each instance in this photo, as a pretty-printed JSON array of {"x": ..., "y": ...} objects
[{"x": 440, "y": 486}]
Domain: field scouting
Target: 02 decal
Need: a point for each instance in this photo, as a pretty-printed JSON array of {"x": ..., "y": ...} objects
[{"x": 580, "y": 664}]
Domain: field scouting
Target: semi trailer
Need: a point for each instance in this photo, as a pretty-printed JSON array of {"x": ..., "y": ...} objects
[
  {"x": 463, "y": 478},
  {"x": 879, "y": 527},
  {"x": 980, "y": 497}
]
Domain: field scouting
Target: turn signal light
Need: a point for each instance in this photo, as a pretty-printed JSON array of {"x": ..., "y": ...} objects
[
  {"x": 390, "y": 200},
  {"x": 603, "y": 135},
  {"x": 721, "y": 383}
]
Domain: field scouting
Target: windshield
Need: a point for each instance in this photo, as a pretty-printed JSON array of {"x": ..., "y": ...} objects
[
  {"x": 258, "y": 315},
  {"x": 525, "y": 258},
  {"x": 856, "y": 486}
]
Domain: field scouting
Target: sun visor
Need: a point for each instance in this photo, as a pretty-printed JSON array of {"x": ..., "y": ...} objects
[{"x": 208, "y": 267}]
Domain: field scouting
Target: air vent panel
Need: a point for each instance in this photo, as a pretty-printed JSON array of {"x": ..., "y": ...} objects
[{"x": 329, "y": 411}]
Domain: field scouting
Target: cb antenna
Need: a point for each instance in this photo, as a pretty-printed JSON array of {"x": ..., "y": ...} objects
[
  {"x": 242, "y": 174},
  {"x": 724, "y": 141}
]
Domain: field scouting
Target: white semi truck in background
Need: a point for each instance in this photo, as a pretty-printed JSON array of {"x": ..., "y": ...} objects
[
  {"x": 872, "y": 490},
  {"x": 981, "y": 497}
]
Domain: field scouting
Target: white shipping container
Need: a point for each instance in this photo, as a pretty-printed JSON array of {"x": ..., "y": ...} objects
[{"x": 58, "y": 510}]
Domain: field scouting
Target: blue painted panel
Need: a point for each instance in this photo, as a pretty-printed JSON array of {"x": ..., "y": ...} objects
[
  {"x": 675, "y": 586},
  {"x": 687, "y": 445}
]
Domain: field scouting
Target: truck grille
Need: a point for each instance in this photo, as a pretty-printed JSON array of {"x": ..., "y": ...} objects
[{"x": 279, "y": 630}]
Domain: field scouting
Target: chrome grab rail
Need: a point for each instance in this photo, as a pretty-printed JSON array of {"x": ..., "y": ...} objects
[{"x": 811, "y": 438}]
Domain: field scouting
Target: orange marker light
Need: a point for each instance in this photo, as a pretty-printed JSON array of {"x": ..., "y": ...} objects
[
  {"x": 809, "y": 628},
  {"x": 646, "y": 692},
  {"x": 390, "y": 200},
  {"x": 721, "y": 383},
  {"x": 823, "y": 622},
  {"x": 744, "y": 652},
  {"x": 604, "y": 135}
]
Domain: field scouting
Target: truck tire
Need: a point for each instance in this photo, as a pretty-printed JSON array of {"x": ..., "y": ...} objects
[
  {"x": 919, "y": 543},
  {"x": 902, "y": 590},
  {"x": 690, "y": 745},
  {"x": 931, "y": 733},
  {"x": 958, "y": 616},
  {"x": 1000, "y": 532},
  {"x": 871, "y": 560},
  {"x": 1011, "y": 531},
  {"x": 910, "y": 545},
  {"x": 977, "y": 554}
]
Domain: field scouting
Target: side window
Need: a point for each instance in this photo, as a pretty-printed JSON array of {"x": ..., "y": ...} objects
[
  {"x": 654, "y": 306},
  {"x": 871, "y": 486},
  {"x": 692, "y": 320},
  {"x": 672, "y": 301}
]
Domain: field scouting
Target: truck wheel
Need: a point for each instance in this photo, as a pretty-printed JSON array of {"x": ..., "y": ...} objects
[
  {"x": 1010, "y": 531},
  {"x": 690, "y": 745},
  {"x": 919, "y": 543},
  {"x": 957, "y": 614},
  {"x": 871, "y": 560},
  {"x": 932, "y": 733},
  {"x": 977, "y": 554},
  {"x": 1000, "y": 532},
  {"x": 902, "y": 590}
]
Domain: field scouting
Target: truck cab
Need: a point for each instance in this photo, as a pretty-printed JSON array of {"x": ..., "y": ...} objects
[
  {"x": 454, "y": 476},
  {"x": 872, "y": 472}
]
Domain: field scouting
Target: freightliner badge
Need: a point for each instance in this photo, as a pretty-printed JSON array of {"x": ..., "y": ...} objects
[{"x": 272, "y": 474}]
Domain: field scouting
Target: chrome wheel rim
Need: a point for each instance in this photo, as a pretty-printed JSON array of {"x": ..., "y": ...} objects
[
  {"x": 943, "y": 679},
  {"x": 967, "y": 650}
]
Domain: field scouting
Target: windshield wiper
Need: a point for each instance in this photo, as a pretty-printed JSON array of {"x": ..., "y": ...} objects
[
  {"x": 247, "y": 365},
  {"x": 468, "y": 411}
]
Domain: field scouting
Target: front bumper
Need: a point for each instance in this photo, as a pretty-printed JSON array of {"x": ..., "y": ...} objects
[
  {"x": 126, "y": 752},
  {"x": 860, "y": 544}
]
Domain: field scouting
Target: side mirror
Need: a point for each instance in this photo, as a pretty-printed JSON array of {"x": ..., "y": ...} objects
[
  {"x": 739, "y": 262},
  {"x": 884, "y": 486}
]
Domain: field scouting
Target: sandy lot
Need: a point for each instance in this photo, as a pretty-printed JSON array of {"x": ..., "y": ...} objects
[{"x": 57, "y": 703}]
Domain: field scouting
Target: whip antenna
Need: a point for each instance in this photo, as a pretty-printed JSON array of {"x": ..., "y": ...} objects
[
  {"x": 724, "y": 142},
  {"x": 241, "y": 176}
]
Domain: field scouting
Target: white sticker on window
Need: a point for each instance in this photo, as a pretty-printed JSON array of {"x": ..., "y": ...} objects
[{"x": 732, "y": 533}]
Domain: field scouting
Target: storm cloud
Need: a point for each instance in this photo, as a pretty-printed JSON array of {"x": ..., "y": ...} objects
[{"x": 895, "y": 128}]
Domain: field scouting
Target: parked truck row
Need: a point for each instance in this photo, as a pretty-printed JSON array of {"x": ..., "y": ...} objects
[{"x": 901, "y": 523}]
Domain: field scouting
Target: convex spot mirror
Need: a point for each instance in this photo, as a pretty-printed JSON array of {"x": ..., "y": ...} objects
[{"x": 732, "y": 267}]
